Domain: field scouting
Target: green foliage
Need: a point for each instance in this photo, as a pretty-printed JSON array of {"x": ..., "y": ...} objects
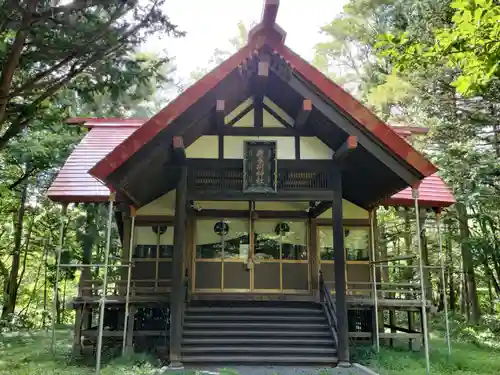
[
  {"x": 386, "y": 53},
  {"x": 470, "y": 44}
]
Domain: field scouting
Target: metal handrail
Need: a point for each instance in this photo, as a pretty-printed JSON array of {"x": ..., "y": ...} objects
[{"x": 328, "y": 306}]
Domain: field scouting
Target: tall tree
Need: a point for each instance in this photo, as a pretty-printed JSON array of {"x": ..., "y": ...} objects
[
  {"x": 372, "y": 38},
  {"x": 87, "y": 46}
]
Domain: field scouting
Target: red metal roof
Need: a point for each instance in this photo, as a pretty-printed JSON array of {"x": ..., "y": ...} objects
[
  {"x": 75, "y": 184},
  {"x": 273, "y": 36},
  {"x": 433, "y": 192}
]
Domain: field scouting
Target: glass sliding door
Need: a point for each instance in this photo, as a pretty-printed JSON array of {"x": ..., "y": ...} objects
[
  {"x": 152, "y": 257},
  {"x": 280, "y": 256},
  {"x": 295, "y": 259},
  {"x": 222, "y": 250},
  {"x": 266, "y": 257},
  {"x": 357, "y": 245}
]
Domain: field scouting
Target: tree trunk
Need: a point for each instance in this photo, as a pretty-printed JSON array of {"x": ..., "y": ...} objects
[
  {"x": 11, "y": 288},
  {"x": 383, "y": 252},
  {"x": 470, "y": 280},
  {"x": 45, "y": 256},
  {"x": 464, "y": 306},
  {"x": 408, "y": 273},
  {"x": 490, "y": 295},
  {"x": 449, "y": 271},
  {"x": 88, "y": 244}
]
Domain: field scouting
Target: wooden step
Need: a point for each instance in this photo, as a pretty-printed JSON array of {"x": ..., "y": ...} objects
[
  {"x": 260, "y": 359},
  {"x": 264, "y": 318},
  {"x": 259, "y": 350},
  {"x": 284, "y": 326},
  {"x": 226, "y": 310},
  {"x": 258, "y": 341},
  {"x": 250, "y": 333}
]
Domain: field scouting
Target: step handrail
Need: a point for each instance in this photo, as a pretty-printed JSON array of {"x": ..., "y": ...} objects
[{"x": 328, "y": 306}]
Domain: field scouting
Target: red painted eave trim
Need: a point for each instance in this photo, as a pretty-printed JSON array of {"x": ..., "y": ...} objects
[
  {"x": 78, "y": 198},
  {"x": 428, "y": 203},
  {"x": 161, "y": 120},
  {"x": 357, "y": 111}
]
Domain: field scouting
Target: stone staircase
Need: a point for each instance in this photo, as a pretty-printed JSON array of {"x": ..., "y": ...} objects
[{"x": 257, "y": 333}]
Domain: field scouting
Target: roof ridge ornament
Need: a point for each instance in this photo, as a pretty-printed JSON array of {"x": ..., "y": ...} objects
[{"x": 267, "y": 27}]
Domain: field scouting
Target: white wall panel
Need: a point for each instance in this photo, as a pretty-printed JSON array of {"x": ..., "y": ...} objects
[
  {"x": 233, "y": 146},
  {"x": 314, "y": 148},
  {"x": 205, "y": 147}
]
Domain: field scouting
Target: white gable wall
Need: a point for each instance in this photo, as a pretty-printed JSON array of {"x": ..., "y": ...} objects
[{"x": 207, "y": 146}]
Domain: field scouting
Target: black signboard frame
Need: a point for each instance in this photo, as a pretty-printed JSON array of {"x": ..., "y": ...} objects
[{"x": 260, "y": 156}]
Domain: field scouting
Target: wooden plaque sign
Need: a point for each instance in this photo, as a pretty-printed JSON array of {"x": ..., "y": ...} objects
[{"x": 260, "y": 167}]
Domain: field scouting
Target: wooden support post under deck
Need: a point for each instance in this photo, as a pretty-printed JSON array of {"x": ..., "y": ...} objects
[
  {"x": 129, "y": 347},
  {"x": 77, "y": 336},
  {"x": 177, "y": 294},
  {"x": 411, "y": 328},
  {"x": 340, "y": 269},
  {"x": 392, "y": 323}
]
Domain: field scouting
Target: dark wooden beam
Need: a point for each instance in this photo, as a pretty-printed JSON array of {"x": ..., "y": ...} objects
[
  {"x": 236, "y": 195},
  {"x": 258, "y": 83},
  {"x": 340, "y": 268},
  {"x": 240, "y": 115},
  {"x": 347, "y": 222},
  {"x": 149, "y": 220},
  {"x": 347, "y": 147},
  {"x": 304, "y": 113},
  {"x": 321, "y": 208},
  {"x": 220, "y": 117},
  {"x": 338, "y": 118},
  {"x": 258, "y": 112},
  {"x": 177, "y": 293},
  {"x": 297, "y": 147},
  {"x": 275, "y": 132},
  {"x": 220, "y": 113},
  {"x": 280, "y": 119},
  {"x": 178, "y": 150},
  {"x": 270, "y": 12},
  {"x": 245, "y": 213}
]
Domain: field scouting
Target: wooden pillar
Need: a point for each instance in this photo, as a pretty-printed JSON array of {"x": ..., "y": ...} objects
[
  {"x": 125, "y": 254},
  {"x": 313, "y": 256},
  {"x": 177, "y": 293},
  {"x": 340, "y": 269}
]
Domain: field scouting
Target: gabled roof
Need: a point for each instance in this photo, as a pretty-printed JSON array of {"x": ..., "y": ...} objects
[
  {"x": 267, "y": 33},
  {"x": 75, "y": 184}
]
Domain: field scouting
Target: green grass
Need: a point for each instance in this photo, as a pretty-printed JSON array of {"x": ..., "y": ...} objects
[
  {"x": 28, "y": 353},
  {"x": 466, "y": 359}
]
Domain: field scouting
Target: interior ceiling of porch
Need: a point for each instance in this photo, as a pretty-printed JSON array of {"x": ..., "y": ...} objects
[{"x": 366, "y": 179}]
